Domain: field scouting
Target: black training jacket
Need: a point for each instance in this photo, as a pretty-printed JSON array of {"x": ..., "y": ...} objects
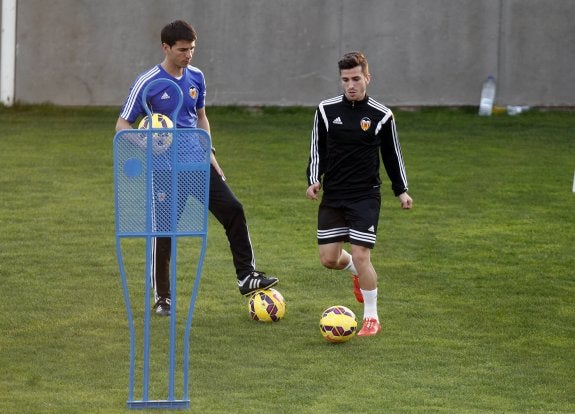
[{"x": 346, "y": 141}]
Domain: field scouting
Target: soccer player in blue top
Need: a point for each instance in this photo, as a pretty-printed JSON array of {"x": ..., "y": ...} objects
[{"x": 178, "y": 43}]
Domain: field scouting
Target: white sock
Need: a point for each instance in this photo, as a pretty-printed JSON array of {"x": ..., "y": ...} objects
[
  {"x": 370, "y": 304},
  {"x": 350, "y": 266}
]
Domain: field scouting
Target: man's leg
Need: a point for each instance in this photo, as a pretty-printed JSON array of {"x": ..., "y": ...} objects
[
  {"x": 332, "y": 232},
  {"x": 161, "y": 246},
  {"x": 162, "y": 249},
  {"x": 362, "y": 261},
  {"x": 161, "y": 252},
  {"x": 368, "y": 284},
  {"x": 229, "y": 212},
  {"x": 333, "y": 256}
]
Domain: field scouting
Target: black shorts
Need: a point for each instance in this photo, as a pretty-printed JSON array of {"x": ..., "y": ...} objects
[{"x": 354, "y": 221}]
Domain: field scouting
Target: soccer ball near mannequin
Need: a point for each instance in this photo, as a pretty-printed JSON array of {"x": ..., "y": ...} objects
[
  {"x": 266, "y": 305},
  {"x": 160, "y": 141}
]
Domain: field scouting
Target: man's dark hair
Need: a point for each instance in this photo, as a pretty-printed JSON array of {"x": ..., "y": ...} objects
[
  {"x": 351, "y": 60},
  {"x": 178, "y": 30}
]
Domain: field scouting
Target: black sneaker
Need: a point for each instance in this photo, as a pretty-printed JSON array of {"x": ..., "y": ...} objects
[
  {"x": 162, "y": 307},
  {"x": 255, "y": 281}
]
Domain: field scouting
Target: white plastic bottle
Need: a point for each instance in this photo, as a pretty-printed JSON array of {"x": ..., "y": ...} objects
[
  {"x": 487, "y": 96},
  {"x": 516, "y": 109}
]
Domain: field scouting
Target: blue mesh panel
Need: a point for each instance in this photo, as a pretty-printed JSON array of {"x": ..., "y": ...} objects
[{"x": 162, "y": 178}]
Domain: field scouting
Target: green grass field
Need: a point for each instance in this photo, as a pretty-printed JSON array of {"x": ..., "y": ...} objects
[{"x": 477, "y": 282}]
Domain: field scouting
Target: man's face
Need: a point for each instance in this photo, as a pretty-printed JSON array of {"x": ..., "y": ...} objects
[
  {"x": 180, "y": 54},
  {"x": 354, "y": 83}
]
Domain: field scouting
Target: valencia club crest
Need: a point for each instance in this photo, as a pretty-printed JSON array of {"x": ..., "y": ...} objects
[{"x": 365, "y": 123}]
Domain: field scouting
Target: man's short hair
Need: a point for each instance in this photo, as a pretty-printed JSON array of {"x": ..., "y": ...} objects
[
  {"x": 351, "y": 60},
  {"x": 178, "y": 30}
]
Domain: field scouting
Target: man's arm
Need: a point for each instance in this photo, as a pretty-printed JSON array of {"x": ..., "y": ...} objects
[
  {"x": 392, "y": 157},
  {"x": 137, "y": 139},
  {"x": 394, "y": 165},
  {"x": 317, "y": 150},
  {"x": 204, "y": 123},
  {"x": 122, "y": 124}
]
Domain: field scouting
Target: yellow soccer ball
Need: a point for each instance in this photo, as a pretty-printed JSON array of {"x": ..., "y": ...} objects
[
  {"x": 267, "y": 305},
  {"x": 338, "y": 324},
  {"x": 161, "y": 141}
]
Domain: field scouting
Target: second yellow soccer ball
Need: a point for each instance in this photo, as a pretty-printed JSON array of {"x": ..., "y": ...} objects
[
  {"x": 267, "y": 305},
  {"x": 161, "y": 141}
]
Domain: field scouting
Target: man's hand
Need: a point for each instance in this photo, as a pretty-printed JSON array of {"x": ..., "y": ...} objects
[
  {"x": 405, "y": 200},
  {"x": 313, "y": 191}
]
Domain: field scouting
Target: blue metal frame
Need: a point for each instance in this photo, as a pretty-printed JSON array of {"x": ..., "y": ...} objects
[{"x": 122, "y": 167}]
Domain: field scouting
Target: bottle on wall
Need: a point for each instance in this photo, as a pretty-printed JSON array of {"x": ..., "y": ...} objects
[{"x": 487, "y": 96}]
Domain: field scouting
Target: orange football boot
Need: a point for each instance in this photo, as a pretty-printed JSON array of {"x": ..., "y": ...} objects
[
  {"x": 370, "y": 327},
  {"x": 356, "y": 289}
]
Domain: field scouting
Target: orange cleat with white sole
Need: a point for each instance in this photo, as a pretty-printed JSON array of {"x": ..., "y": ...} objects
[
  {"x": 356, "y": 289},
  {"x": 370, "y": 327}
]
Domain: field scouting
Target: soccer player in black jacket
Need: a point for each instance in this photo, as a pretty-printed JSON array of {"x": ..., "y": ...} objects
[{"x": 349, "y": 133}]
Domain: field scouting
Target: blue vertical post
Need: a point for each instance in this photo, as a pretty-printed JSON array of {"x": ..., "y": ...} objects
[{"x": 186, "y": 163}]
